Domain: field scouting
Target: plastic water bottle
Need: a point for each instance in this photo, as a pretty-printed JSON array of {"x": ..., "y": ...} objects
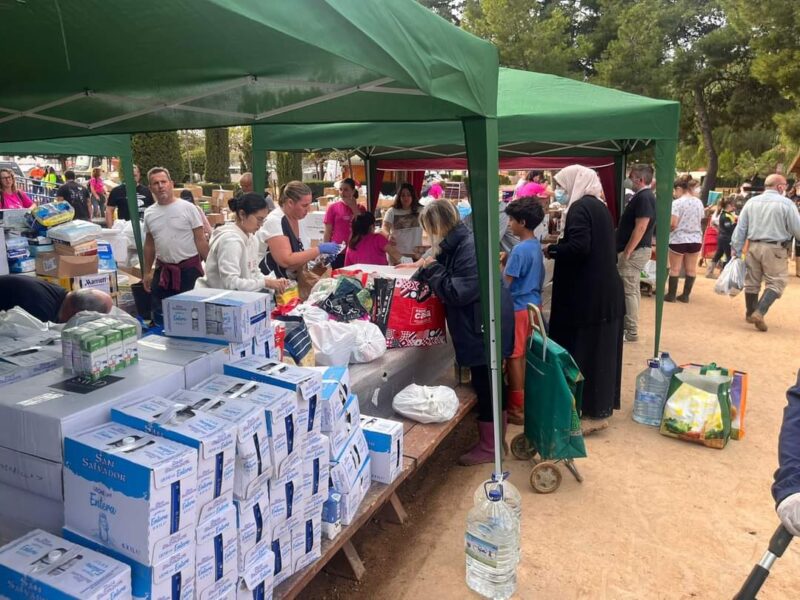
[
  {"x": 511, "y": 496},
  {"x": 491, "y": 547},
  {"x": 651, "y": 394},
  {"x": 668, "y": 366}
]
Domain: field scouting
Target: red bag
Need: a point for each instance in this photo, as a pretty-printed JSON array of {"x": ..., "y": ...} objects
[{"x": 412, "y": 315}]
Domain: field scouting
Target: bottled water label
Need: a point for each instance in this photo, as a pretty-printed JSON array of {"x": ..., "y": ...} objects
[
  {"x": 481, "y": 550},
  {"x": 650, "y": 399}
]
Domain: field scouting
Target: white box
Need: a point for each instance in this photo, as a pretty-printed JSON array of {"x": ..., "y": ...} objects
[
  {"x": 212, "y": 314},
  {"x": 252, "y": 442},
  {"x": 346, "y": 466},
  {"x": 255, "y": 580},
  {"x": 42, "y": 565},
  {"x": 282, "y": 549},
  {"x": 385, "y": 440},
  {"x": 316, "y": 471},
  {"x": 223, "y": 589},
  {"x": 214, "y": 439},
  {"x": 307, "y": 540},
  {"x": 335, "y": 392},
  {"x": 254, "y": 522},
  {"x": 344, "y": 424},
  {"x": 352, "y": 499},
  {"x": 216, "y": 540},
  {"x": 279, "y": 404},
  {"x": 262, "y": 344},
  {"x": 128, "y": 490},
  {"x": 306, "y": 383},
  {"x": 198, "y": 359},
  {"x": 286, "y": 492},
  {"x": 171, "y": 579},
  {"x": 27, "y": 361},
  {"x": 21, "y": 511}
]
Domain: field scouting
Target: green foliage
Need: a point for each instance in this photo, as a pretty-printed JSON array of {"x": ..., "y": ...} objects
[
  {"x": 197, "y": 157},
  {"x": 217, "y": 156},
  {"x": 158, "y": 150},
  {"x": 505, "y": 180},
  {"x": 241, "y": 142},
  {"x": 318, "y": 186},
  {"x": 208, "y": 187},
  {"x": 447, "y": 9},
  {"x": 289, "y": 167}
]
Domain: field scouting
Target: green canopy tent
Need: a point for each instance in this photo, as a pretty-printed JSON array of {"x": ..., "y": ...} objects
[
  {"x": 118, "y": 145},
  {"x": 539, "y": 115}
]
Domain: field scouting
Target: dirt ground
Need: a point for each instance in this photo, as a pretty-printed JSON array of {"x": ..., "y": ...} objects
[{"x": 654, "y": 518}]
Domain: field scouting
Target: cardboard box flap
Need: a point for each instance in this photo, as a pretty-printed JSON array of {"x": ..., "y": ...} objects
[
  {"x": 175, "y": 563},
  {"x": 226, "y": 386},
  {"x": 260, "y": 565},
  {"x": 223, "y": 589},
  {"x": 219, "y": 517}
]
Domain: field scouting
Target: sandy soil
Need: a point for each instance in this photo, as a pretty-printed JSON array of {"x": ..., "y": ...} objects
[{"x": 655, "y": 517}]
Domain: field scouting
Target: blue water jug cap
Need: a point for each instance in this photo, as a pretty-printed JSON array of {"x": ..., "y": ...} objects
[
  {"x": 665, "y": 355},
  {"x": 653, "y": 363},
  {"x": 495, "y": 495}
]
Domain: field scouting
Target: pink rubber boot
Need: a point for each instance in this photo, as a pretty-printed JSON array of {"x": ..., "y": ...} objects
[{"x": 483, "y": 451}]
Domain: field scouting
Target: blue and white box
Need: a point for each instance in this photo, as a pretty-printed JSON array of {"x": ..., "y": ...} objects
[
  {"x": 197, "y": 358},
  {"x": 170, "y": 579},
  {"x": 255, "y": 580},
  {"x": 253, "y": 460},
  {"x": 128, "y": 490},
  {"x": 307, "y": 539},
  {"x": 352, "y": 499},
  {"x": 306, "y": 383},
  {"x": 316, "y": 471},
  {"x": 335, "y": 392},
  {"x": 286, "y": 492},
  {"x": 211, "y": 314},
  {"x": 344, "y": 424},
  {"x": 222, "y": 589},
  {"x": 254, "y": 522},
  {"x": 212, "y": 437},
  {"x": 217, "y": 542},
  {"x": 332, "y": 515},
  {"x": 42, "y": 565},
  {"x": 346, "y": 466},
  {"x": 385, "y": 440},
  {"x": 282, "y": 550}
]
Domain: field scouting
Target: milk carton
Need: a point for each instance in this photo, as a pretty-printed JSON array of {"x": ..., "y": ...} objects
[
  {"x": 279, "y": 404},
  {"x": 385, "y": 441},
  {"x": 115, "y": 356},
  {"x": 305, "y": 383},
  {"x": 214, "y": 439},
  {"x": 252, "y": 443},
  {"x": 130, "y": 344},
  {"x": 287, "y": 493},
  {"x": 42, "y": 565},
  {"x": 205, "y": 313},
  {"x": 216, "y": 541},
  {"x": 71, "y": 348},
  {"x": 307, "y": 539},
  {"x": 282, "y": 549},
  {"x": 345, "y": 422},
  {"x": 316, "y": 471},
  {"x": 94, "y": 356},
  {"x": 171, "y": 578},
  {"x": 332, "y": 515},
  {"x": 254, "y": 522},
  {"x": 352, "y": 499},
  {"x": 128, "y": 490},
  {"x": 335, "y": 392},
  {"x": 255, "y": 580},
  {"x": 346, "y": 466}
]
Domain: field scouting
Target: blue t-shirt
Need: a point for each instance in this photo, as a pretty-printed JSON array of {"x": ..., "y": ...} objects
[{"x": 526, "y": 266}]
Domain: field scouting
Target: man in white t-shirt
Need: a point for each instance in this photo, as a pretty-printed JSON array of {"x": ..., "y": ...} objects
[{"x": 174, "y": 245}]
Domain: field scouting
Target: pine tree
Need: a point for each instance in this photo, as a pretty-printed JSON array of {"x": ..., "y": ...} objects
[
  {"x": 217, "y": 156},
  {"x": 158, "y": 150}
]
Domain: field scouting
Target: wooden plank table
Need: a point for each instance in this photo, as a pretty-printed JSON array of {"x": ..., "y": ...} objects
[{"x": 419, "y": 443}]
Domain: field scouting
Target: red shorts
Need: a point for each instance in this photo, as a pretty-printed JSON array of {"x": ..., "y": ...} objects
[{"x": 522, "y": 329}]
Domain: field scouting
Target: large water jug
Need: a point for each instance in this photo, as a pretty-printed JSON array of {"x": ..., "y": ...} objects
[
  {"x": 491, "y": 547},
  {"x": 668, "y": 366},
  {"x": 651, "y": 394},
  {"x": 511, "y": 496}
]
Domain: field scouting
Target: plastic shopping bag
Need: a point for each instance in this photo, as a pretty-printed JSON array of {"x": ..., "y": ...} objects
[
  {"x": 370, "y": 343},
  {"x": 333, "y": 342},
  {"x": 426, "y": 404},
  {"x": 731, "y": 281}
]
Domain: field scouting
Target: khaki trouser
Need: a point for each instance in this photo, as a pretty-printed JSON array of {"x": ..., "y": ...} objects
[
  {"x": 630, "y": 270},
  {"x": 767, "y": 262}
]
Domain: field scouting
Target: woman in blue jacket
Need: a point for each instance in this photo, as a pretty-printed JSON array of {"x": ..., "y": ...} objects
[
  {"x": 453, "y": 276},
  {"x": 786, "y": 489}
]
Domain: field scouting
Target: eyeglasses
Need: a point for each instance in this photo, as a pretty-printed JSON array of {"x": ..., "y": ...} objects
[{"x": 6, "y": 177}]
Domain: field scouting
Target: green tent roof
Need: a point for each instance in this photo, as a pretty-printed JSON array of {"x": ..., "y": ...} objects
[
  {"x": 95, "y": 145},
  {"x": 148, "y": 65}
]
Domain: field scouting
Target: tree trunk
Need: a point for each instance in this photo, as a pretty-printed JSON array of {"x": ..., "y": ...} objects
[{"x": 703, "y": 122}]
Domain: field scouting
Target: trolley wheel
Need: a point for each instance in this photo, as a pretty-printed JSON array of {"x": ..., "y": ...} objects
[
  {"x": 545, "y": 478},
  {"x": 570, "y": 464},
  {"x": 521, "y": 448}
]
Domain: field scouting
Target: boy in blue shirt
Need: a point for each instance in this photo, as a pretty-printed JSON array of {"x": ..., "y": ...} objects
[{"x": 524, "y": 276}]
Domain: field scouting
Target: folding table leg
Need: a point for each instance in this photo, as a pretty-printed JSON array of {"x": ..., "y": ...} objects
[
  {"x": 352, "y": 569},
  {"x": 393, "y": 511}
]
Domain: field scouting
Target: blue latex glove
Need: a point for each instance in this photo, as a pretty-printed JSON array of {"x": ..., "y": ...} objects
[{"x": 331, "y": 248}]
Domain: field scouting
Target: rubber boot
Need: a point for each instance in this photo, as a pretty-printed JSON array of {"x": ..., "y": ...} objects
[
  {"x": 482, "y": 452},
  {"x": 516, "y": 407},
  {"x": 712, "y": 265},
  {"x": 672, "y": 289},
  {"x": 766, "y": 301},
  {"x": 688, "y": 283},
  {"x": 751, "y": 303}
]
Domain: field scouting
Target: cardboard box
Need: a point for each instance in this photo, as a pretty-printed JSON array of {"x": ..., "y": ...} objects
[
  {"x": 331, "y": 191},
  {"x": 282, "y": 549},
  {"x": 128, "y": 490},
  {"x": 307, "y": 539},
  {"x": 280, "y": 406},
  {"x": 42, "y": 565},
  {"x": 351, "y": 501},
  {"x": 21, "y": 511},
  {"x": 14, "y": 218},
  {"x": 286, "y": 492},
  {"x": 87, "y": 248},
  {"x": 221, "y": 196},
  {"x": 36, "y": 414},
  {"x": 254, "y": 522},
  {"x": 344, "y": 424},
  {"x": 214, "y": 439},
  {"x": 335, "y": 392},
  {"x": 316, "y": 471},
  {"x": 97, "y": 281},
  {"x": 215, "y": 219},
  {"x": 252, "y": 443},
  {"x": 231, "y": 316},
  {"x": 255, "y": 579},
  {"x": 174, "y": 572},
  {"x": 57, "y": 265},
  {"x": 346, "y": 466},
  {"x": 385, "y": 440},
  {"x": 314, "y": 225},
  {"x": 28, "y": 361},
  {"x": 216, "y": 543},
  {"x": 198, "y": 359}
]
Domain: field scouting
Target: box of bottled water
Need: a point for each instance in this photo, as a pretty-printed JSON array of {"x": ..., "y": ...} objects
[
  {"x": 254, "y": 521},
  {"x": 217, "y": 541},
  {"x": 255, "y": 580}
]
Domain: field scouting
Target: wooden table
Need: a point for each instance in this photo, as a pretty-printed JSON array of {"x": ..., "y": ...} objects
[{"x": 419, "y": 443}]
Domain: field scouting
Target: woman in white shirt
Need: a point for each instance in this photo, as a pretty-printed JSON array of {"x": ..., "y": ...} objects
[
  {"x": 233, "y": 256},
  {"x": 685, "y": 238},
  {"x": 401, "y": 222}
]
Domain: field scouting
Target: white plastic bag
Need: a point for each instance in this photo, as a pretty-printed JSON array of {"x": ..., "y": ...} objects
[
  {"x": 370, "y": 342},
  {"x": 731, "y": 281},
  {"x": 426, "y": 404},
  {"x": 332, "y": 341}
]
